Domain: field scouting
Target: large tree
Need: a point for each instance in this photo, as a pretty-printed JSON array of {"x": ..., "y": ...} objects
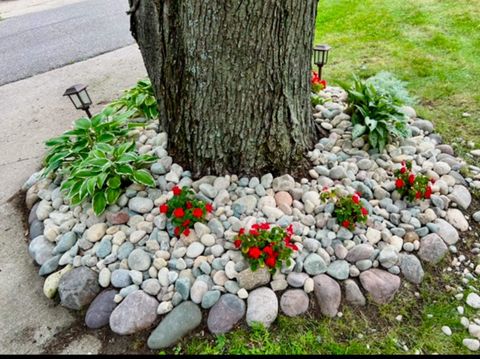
[{"x": 232, "y": 80}]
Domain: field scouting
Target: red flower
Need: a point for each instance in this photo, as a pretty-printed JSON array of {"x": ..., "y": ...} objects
[
  {"x": 254, "y": 232},
  {"x": 399, "y": 183},
  {"x": 270, "y": 262},
  {"x": 364, "y": 211},
  {"x": 346, "y": 223},
  {"x": 237, "y": 243},
  {"x": 197, "y": 212},
  {"x": 324, "y": 84},
  {"x": 186, "y": 223},
  {"x": 404, "y": 163},
  {"x": 255, "y": 226},
  {"x": 254, "y": 252},
  {"x": 179, "y": 212},
  {"x": 189, "y": 205},
  {"x": 432, "y": 180},
  {"x": 411, "y": 178},
  {"x": 163, "y": 208},
  {"x": 403, "y": 170},
  {"x": 177, "y": 231},
  {"x": 268, "y": 250},
  {"x": 241, "y": 231},
  {"x": 290, "y": 229},
  {"x": 186, "y": 232},
  {"x": 176, "y": 191},
  {"x": 292, "y": 246},
  {"x": 356, "y": 199},
  {"x": 428, "y": 192},
  {"x": 209, "y": 207},
  {"x": 264, "y": 226},
  {"x": 418, "y": 195}
]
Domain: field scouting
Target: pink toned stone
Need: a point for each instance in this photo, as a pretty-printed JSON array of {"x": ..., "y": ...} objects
[{"x": 283, "y": 198}]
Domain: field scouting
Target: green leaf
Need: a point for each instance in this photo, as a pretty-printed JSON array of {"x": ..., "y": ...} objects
[
  {"x": 114, "y": 182},
  {"x": 106, "y": 137},
  {"x": 101, "y": 179},
  {"x": 139, "y": 100},
  {"x": 373, "y": 139},
  {"x": 99, "y": 203},
  {"x": 105, "y": 147},
  {"x": 124, "y": 169},
  {"x": 91, "y": 184},
  {"x": 150, "y": 101},
  {"x": 82, "y": 123},
  {"x": 127, "y": 157},
  {"x": 144, "y": 177},
  {"x": 112, "y": 195},
  {"x": 358, "y": 130}
]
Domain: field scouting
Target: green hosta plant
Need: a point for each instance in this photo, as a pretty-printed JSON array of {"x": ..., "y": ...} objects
[
  {"x": 140, "y": 99},
  {"x": 72, "y": 146},
  {"x": 376, "y": 114},
  {"x": 104, "y": 173},
  {"x": 387, "y": 84}
]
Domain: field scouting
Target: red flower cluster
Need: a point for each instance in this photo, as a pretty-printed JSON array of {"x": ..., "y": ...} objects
[
  {"x": 410, "y": 185},
  {"x": 263, "y": 245},
  {"x": 185, "y": 210},
  {"x": 348, "y": 209},
  {"x": 317, "y": 83}
]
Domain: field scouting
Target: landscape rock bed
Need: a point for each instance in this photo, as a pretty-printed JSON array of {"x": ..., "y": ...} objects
[{"x": 129, "y": 269}]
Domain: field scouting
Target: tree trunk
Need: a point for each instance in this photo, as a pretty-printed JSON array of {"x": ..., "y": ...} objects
[{"x": 232, "y": 80}]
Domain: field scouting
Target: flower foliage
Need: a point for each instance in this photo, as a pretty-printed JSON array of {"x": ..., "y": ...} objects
[
  {"x": 317, "y": 83},
  {"x": 348, "y": 209},
  {"x": 185, "y": 210},
  {"x": 410, "y": 185},
  {"x": 264, "y": 246}
]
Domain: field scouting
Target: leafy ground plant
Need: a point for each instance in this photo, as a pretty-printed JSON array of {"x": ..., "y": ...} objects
[
  {"x": 264, "y": 246},
  {"x": 348, "y": 209},
  {"x": 388, "y": 85},
  {"x": 185, "y": 210},
  {"x": 140, "y": 99},
  {"x": 375, "y": 114},
  {"x": 105, "y": 172},
  {"x": 410, "y": 185},
  {"x": 431, "y": 44},
  {"x": 73, "y": 146}
]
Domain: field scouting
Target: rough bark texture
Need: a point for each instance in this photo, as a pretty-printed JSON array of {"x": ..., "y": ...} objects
[{"x": 232, "y": 79}]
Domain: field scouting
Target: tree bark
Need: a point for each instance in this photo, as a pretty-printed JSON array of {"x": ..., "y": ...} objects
[{"x": 232, "y": 80}]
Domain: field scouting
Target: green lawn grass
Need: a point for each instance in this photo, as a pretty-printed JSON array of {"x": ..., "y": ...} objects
[
  {"x": 370, "y": 330},
  {"x": 433, "y": 45}
]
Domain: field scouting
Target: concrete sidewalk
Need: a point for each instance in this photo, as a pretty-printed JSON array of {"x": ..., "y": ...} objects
[{"x": 34, "y": 110}]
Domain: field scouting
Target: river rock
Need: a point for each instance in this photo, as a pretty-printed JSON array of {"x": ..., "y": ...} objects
[
  {"x": 262, "y": 306},
  {"x": 250, "y": 280},
  {"x": 432, "y": 248},
  {"x": 294, "y": 302},
  {"x": 178, "y": 323},
  {"x": 98, "y": 313},
  {"x": 78, "y": 287},
  {"x": 138, "y": 311},
  {"x": 328, "y": 294},
  {"x": 380, "y": 284},
  {"x": 225, "y": 314}
]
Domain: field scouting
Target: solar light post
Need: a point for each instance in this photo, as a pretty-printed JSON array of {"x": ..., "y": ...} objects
[
  {"x": 79, "y": 96},
  {"x": 320, "y": 57}
]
